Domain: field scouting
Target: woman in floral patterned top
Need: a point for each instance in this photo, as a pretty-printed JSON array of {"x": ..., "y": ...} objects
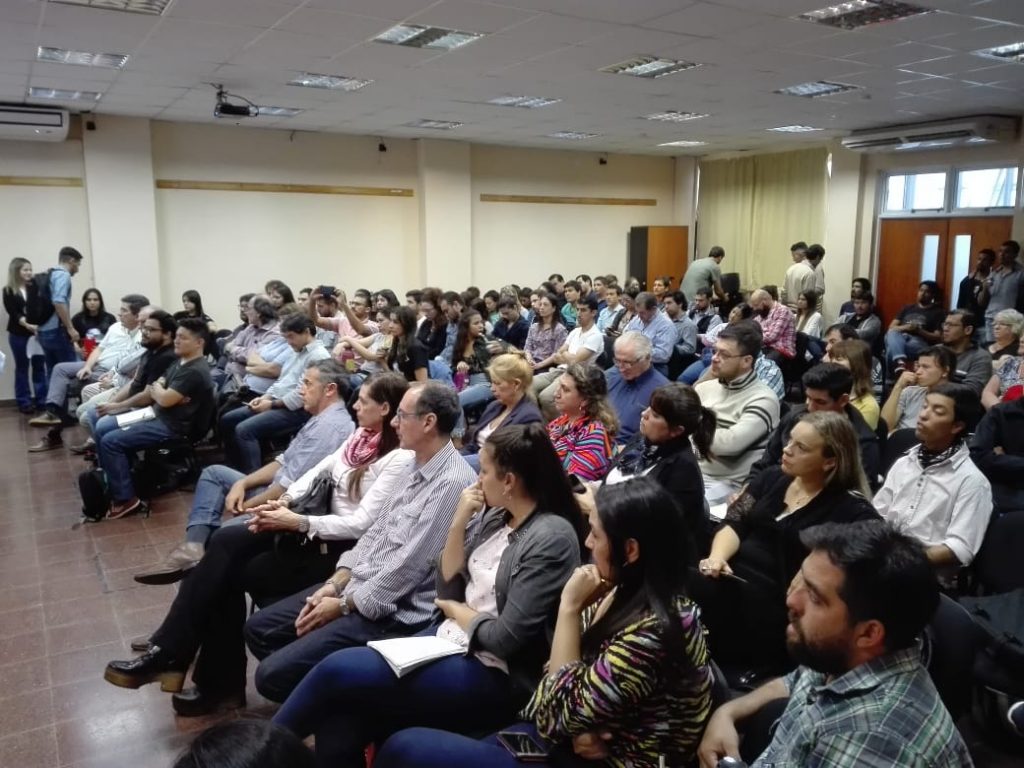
[
  {"x": 546, "y": 335},
  {"x": 583, "y": 433},
  {"x": 629, "y": 677}
]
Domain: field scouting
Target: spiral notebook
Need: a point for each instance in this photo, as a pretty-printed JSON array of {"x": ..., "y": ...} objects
[{"x": 404, "y": 654}]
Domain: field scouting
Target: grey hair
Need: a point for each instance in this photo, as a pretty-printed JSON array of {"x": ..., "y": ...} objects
[
  {"x": 1012, "y": 318},
  {"x": 640, "y": 343}
]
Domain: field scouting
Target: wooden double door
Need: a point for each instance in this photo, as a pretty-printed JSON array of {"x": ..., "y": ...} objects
[{"x": 942, "y": 249}]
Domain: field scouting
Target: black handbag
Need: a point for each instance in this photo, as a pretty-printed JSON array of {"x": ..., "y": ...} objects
[{"x": 290, "y": 546}]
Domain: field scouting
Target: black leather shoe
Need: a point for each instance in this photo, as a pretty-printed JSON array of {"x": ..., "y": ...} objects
[
  {"x": 192, "y": 702},
  {"x": 153, "y": 666}
]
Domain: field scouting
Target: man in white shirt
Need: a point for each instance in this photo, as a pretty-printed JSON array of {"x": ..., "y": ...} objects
[
  {"x": 935, "y": 493},
  {"x": 584, "y": 344},
  {"x": 799, "y": 277}
]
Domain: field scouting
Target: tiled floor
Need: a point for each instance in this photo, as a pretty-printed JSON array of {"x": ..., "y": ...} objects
[{"x": 68, "y": 605}]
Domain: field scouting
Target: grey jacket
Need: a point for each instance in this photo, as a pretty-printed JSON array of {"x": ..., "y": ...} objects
[{"x": 541, "y": 556}]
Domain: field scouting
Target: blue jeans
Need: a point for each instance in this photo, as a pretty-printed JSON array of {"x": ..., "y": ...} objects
[
  {"x": 285, "y": 658},
  {"x": 900, "y": 346},
  {"x": 22, "y": 363},
  {"x": 211, "y": 490},
  {"x": 353, "y": 698},
  {"x": 115, "y": 445},
  {"x": 242, "y": 429},
  {"x": 57, "y": 348},
  {"x": 431, "y": 748},
  {"x": 693, "y": 372}
]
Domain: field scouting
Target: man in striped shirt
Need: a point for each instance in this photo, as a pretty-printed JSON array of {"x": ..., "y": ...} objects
[
  {"x": 861, "y": 697},
  {"x": 384, "y": 587}
]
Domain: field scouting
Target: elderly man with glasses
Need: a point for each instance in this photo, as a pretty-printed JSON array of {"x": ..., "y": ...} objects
[{"x": 631, "y": 382}]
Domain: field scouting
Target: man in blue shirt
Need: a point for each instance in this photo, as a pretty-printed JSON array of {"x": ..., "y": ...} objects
[
  {"x": 656, "y": 327},
  {"x": 632, "y": 381},
  {"x": 57, "y": 336}
]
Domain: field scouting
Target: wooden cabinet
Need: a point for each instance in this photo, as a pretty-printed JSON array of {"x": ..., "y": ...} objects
[{"x": 657, "y": 251}]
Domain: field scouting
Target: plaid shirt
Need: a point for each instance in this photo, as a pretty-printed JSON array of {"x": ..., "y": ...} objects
[
  {"x": 779, "y": 330},
  {"x": 883, "y": 713}
]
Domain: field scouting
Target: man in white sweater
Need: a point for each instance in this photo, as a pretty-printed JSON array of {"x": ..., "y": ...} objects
[{"x": 747, "y": 410}]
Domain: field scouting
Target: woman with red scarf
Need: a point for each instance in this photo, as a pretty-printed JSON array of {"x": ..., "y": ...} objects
[{"x": 276, "y": 553}]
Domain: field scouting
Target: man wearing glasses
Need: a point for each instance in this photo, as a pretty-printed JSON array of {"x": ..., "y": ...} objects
[
  {"x": 973, "y": 364},
  {"x": 631, "y": 381},
  {"x": 384, "y": 587},
  {"x": 746, "y": 408}
]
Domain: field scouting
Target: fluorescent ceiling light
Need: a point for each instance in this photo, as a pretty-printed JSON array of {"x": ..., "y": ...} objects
[
  {"x": 59, "y": 94},
  {"x": 672, "y": 116},
  {"x": 860, "y": 13},
  {"x": 526, "y": 102},
  {"x": 817, "y": 88},
  {"x": 795, "y": 129},
  {"x": 150, "y": 7},
  {"x": 683, "y": 143},
  {"x": 434, "y": 38},
  {"x": 650, "y": 67},
  {"x": 436, "y": 125},
  {"x": 333, "y": 82},
  {"x": 82, "y": 58},
  {"x": 279, "y": 111},
  {"x": 1011, "y": 52},
  {"x": 571, "y": 135}
]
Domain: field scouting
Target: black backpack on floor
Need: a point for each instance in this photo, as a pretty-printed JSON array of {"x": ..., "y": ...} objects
[{"x": 92, "y": 485}]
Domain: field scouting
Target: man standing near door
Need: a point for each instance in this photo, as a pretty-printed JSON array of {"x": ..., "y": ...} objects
[
  {"x": 57, "y": 336},
  {"x": 1005, "y": 285}
]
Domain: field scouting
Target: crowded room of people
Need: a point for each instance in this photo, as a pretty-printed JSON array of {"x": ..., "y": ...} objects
[{"x": 450, "y": 383}]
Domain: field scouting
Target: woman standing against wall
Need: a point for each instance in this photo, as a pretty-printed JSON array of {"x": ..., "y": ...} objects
[{"x": 19, "y": 335}]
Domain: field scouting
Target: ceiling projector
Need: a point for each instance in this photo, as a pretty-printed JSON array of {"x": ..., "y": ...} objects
[{"x": 224, "y": 108}]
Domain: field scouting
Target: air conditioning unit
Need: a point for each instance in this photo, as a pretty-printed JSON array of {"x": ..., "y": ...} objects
[
  {"x": 942, "y": 134},
  {"x": 33, "y": 124}
]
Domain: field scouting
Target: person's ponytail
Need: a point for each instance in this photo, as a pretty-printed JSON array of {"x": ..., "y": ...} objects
[{"x": 704, "y": 433}]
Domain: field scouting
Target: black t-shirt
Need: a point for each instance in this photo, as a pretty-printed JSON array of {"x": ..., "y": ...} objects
[
  {"x": 415, "y": 357},
  {"x": 929, "y": 318},
  {"x": 433, "y": 339},
  {"x": 193, "y": 381},
  {"x": 153, "y": 365},
  {"x": 514, "y": 334},
  {"x": 84, "y": 323}
]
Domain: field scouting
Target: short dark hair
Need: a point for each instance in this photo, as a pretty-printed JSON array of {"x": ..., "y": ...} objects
[
  {"x": 931, "y": 285},
  {"x": 571, "y": 284},
  {"x": 867, "y": 296},
  {"x": 333, "y": 372},
  {"x": 67, "y": 253},
  {"x": 865, "y": 284},
  {"x": 246, "y": 743},
  {"x": 451, "y": 297},
  {"x": 297, "y": 323},
  {"x": 264, "y": 308},
  {"x": 846, "y": 331},
  {"x": 987, "y": 252},
  {"x": 966, "y": 404},
  {"x": 815, "y": 251},
  {"x": 829, "y": 377},
  {"x": 167, "y": 322},
  {"x": 747, "y": 335},
  {"x": 966, "y": 317},
  {"x": 706, "y": 292},
  {"x": 646, "y": 300},
  {"x": 508, "y": 303},
  {"x": 678, "y": 297},
  {"x": 415, "y": 294},
  {"x": 716, "y": 251},
  {"x": 944, "y": 357},
  {"x": 135, "y": 302},
  {"x": 585, "y": 278},
  {"x": 591, "y": 303},
  {"x": 799, "y": 245},
  {"x": 245, "y": 297},
  {"x": 886, "y": 576},
  {"x": 196, "y": 326},
  {"x": 555, "y": 276},
  {"x": 1013, "y": 246},
  {"x": 441, "y": 401}
]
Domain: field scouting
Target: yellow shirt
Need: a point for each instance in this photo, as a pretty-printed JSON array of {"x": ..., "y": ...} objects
[{"x": 869, "y": 409}]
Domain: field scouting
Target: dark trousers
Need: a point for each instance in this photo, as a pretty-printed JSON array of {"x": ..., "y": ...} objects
[
  {"x": 285, "y": 658},
  {"x": 57, "y": 348},
  {"x": 23, "y": 394},
  {"x": 432, "y": 748},
  {"x": 353, "y": 698},
  {"x": 209, "y": 611},
  {"x": 242, "y": 430}
]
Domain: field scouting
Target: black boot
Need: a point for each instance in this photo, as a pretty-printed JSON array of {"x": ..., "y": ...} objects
[
  {"x": 152, "y": 666},
  {"x": 194, "y": 702}
]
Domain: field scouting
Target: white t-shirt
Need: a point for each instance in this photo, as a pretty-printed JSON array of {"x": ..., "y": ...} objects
[{"x": 591, "y": 339}]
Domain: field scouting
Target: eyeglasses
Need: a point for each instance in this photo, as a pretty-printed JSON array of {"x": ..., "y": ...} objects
[
  {"x": 627, "y": 363},
  {"x": 725, "y": 355},
  {"x": 400, "y": 414}
]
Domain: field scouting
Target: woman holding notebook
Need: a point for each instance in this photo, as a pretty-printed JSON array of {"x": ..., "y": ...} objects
[
  {"x": 513, "y": 544},
  {"x": 628, "y": 680}
]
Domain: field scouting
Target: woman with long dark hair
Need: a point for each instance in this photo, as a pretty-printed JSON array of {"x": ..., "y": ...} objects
[
  {"x": 628, "y": 680},
  {"x": 513, "y": 543},
  {"x": 547, "y": 334},
  {"x": 192, "y": 304},
  {"x": 583, "y": 432},
  {"x": 385, "y": 298},
  {"x": 672, "y": 421},
  {"x": 407, "y": 355},
  {"x": 209, "y": 611},
  {"x": 93, "y": 321},
  {"x": 433, "y": 330},
  {"x": 470, "y": 359},
  {"x": 281, "y": 297},
  {"x": 19, "y": 333}
]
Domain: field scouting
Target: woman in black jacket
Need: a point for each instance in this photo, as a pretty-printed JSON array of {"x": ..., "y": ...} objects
[
  {"x": 663, "y": 452},
  {"x": 19, "y": 332},
  {"x": 757, "y": 551}
]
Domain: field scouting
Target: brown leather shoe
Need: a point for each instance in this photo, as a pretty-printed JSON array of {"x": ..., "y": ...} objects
[
  {"x": 82, "y": 448},
  {"x": 51, "y": 441},
  {"x": 182, "y": 559},
  {"x": 45, "y": 419}
]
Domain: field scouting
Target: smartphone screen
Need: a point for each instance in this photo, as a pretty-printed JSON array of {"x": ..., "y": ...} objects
[{"x": 522, "y": 745}]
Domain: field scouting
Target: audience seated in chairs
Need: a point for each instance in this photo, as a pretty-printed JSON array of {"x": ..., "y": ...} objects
[
  {"x": 747, "y": 410},
  {"x": 935, "y": 366},
  {"x": 655, "y": 326},
  {"x": 612, "y": 308},
  {"x": 628, "y": 680},
  {"x": 915, "y": 328},
  {"x": 935, "y": 493},
  {"x": 1007, "y": 383},
  {"x": 180, "y": 398},
  {"x": 513, "y": 544},
  {"x": 1007, "y": 332},
  {"x": 631, "y": 382},
  {"x": 510, "y": 375},
  {"x": 92, "y": 321},
  {"x": 192, "y": 306},
  {"x": 684, "y": 351},
  {"x": 384, "y": 587},
  {"x": 862, "y": 318},
  {"x": 221, "y": 489},
  {"x": 674, "y": 418},
  {"x": 819, "y": 480},
  {"x": 855, "y": 355},
  {"x": 452, "y": 305},
  {"x": 827, "y": 387},
  {"x": 470, "y": 359},
  {"x": 778, "y": 333},
  {"x": 693, "y": 373},
  {"x": 547, "y": 333},
  {"x": 274, "y": 553},
  {"x": 997, "y": 449},
  {"x": 583, "y": 345},
  {"x": 407, "y": 355},
  {"x": 584, "y": 431},
  {"x": 278, "y": 411},
  {"x": 255, "y": 358},
  {"x": 973, "y": 364},
  {"x": 512, "y": 327},
  {"x": 861, "y": 695}
]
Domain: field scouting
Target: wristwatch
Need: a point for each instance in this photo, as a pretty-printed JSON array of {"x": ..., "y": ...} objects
[{"x": 303, "y": 524}]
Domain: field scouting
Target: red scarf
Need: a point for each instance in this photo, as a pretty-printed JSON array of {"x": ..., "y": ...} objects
[{"x": 362, "y": 448}]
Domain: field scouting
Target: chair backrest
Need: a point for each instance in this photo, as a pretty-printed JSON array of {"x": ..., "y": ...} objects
[
  {"x": 997, "y": 566},
  {"x": 951, "y": 641},
  {"x": 896, "y": 444}
]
